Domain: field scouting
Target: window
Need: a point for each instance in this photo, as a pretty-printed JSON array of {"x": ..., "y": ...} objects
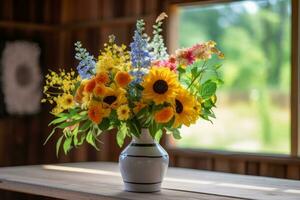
[{"x": 253, "y": 113}]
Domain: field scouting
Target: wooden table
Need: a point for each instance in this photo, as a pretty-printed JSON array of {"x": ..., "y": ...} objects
[{"x": 101, "y": 180}]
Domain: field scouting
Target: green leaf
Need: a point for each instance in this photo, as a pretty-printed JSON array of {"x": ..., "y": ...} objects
[
  {"x": 50, "y": 135},
  {"x": 143, "y": 111},
  {"x": 75, "y": 139},
  {"x": 181, "y": 70},
  {"x": 194, "y": 71},
  {"x": 58, "y": 120},
  {"x": 85, "y": 126},
  {"x": 58, "y": 145},
  {"x": 62, "y": 115},
  {"x": 67, "y": 145},
  {"x": 152, "y": 128},
  {"x": 208, "y": 104},
  {"x": 67, "y": 124},
  {"x": 104, "y": 125},
  {"x": 217, "y": 66},
  {"x": 121, "y": 134},
  {"x": 170, "y": 123},
  {"x": 176, "y": 134},
  {"x": 91, "y": 140},
  {"x": 82, "y": 137},
  {"x": 134, "y": 128},
  {"x": 208, "y": 89},
  {"x": 158, "y": 135}
]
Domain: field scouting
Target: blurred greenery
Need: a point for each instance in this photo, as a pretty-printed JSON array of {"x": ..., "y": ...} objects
[{"x": 253, "y": 105}]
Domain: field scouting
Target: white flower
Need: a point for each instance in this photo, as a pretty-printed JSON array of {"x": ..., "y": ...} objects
[{"x": 21, "y": 77}]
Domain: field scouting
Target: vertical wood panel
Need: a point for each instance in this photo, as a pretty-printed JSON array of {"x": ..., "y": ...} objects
[
  {"x": 278, "y": 171},
  {"x": 252, "y": 168},
  {"x": 186, "y": 162},
  {"x": 204, "y": 164},
  {"x": 237, "y": 166},
  {"x": 293, "y": 172},
  {"x": 221, "y": 165},
  {"x": 295, "y": 81}
]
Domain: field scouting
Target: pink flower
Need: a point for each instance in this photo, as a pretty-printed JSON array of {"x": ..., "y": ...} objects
[
  {"x": 185, "y": 56},
  {"x": 166, "y": 63},
  {"x": 189, "y": 56}
]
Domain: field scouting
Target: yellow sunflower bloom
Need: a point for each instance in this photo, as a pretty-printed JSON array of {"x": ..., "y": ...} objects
[
  {"x": 186, "y": 109},
  {"x": 160, "y": 85},
  {"x": 114, "y": 97},
  {"x": 123, "y": 112}
]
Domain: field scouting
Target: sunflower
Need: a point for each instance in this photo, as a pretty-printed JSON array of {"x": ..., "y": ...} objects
[
  {"x": 123, "y": 112},
  {"x": 186, "y": 108},
  {"x": 123, "y": 78},
  {"x": 164, "y": 115},
  {"x": 160, "y": 85},
  {"x": 102, "y": 78},
  {"x": 96, "y": 112},
  {"x": 114, "y": 97},
  {"x": 100, "y": 90}
]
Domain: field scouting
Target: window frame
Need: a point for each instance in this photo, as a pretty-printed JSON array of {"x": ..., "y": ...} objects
[{"x": 171, "y": 7}]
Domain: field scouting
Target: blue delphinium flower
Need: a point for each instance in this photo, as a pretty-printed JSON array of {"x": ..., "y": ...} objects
[
  {"x": 138, "y": 76},
  {"x": 140, "y": 55},
  {"x": 86, "y": 66}
]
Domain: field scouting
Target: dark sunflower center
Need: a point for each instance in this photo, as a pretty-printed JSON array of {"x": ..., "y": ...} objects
[
  {"x": 69, "y": 101},
  {"x": 160, "y": 86},
  {"x": 110, "y": 99},
  {"x": 179, "y": 107}
]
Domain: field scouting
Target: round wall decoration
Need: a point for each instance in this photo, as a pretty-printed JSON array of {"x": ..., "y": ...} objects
[{"x": 21, "y": 77}]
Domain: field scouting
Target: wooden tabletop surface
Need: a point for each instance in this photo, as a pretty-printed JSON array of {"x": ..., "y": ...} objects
[{"x": 101, "y": 180}]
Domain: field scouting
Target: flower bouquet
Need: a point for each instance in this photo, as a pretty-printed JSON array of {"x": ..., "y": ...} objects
[{"x": 142, "y": 93}]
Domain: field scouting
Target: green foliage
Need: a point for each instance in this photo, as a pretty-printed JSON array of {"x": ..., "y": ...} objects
[
  {"x": 76, "y": 128},
  {"x": 121, "y": 134},
  {"x": 202, "y": 79},
  {"x": 208, "y": 89}
]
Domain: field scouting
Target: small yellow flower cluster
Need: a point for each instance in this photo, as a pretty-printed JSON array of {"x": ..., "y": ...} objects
[
  {"x": 59, "y": 88},
  {"x": 114, "y": 58}
]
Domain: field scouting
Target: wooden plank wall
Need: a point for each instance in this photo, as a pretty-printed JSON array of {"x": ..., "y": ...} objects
[{"x": 279, "y": 166}]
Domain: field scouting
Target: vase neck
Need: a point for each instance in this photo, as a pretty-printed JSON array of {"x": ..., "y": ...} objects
[{"x": 144, "y": 138}]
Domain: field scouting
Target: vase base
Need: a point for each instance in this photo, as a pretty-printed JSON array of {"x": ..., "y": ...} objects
[{"x": 145, "y": 188}]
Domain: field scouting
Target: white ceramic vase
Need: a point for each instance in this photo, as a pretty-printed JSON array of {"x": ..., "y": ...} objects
[{"x": 143, "y": 164}]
